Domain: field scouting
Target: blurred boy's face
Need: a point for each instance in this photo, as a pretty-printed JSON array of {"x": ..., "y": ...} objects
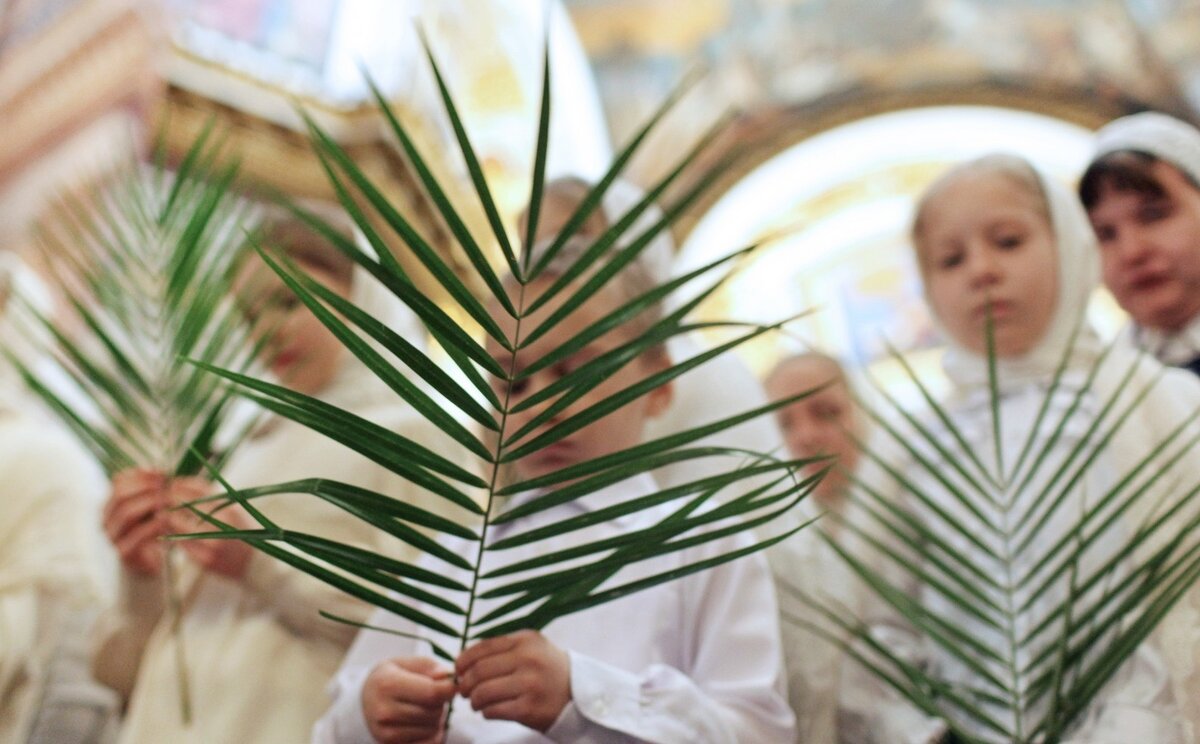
[
  {"x": 616, "y": 431},
  {"x": 986, "y": 242},
  {"x": 557, "y": 207},
  {"x": 1150, "y": 249},
  {"x": 821, "y": 424},
  {"x": 300, "y": 350}
]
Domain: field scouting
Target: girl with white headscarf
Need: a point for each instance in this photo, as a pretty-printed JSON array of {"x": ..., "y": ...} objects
[
  {"x": 257, "y": 653},
  {"x": 52, "y": 573},
  {"x": 996, "y": 237}
]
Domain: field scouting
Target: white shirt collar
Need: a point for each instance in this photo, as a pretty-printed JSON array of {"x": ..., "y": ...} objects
[{"x": 1173, "y": 349}]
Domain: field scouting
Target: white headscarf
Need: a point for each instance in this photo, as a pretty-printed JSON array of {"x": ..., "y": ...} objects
[
  {"x": 1173, "y": 398},
  {"x": 1162, "y": 136},
  {"x": 1078, "y": 277}
]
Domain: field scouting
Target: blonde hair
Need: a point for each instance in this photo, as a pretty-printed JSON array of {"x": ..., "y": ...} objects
[
  {"x": 1016, "y": 169},
  {"x": 804, "y": 357},
  {"x": 630, "y": 282},
  {"x": 283, "y": 231}
]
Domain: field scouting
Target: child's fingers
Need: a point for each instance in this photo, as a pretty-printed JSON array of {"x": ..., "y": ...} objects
[
  {"x": 402, "y": 714},
  {"x": 138, "y": 535},
  {"x": 510, "y": 709},
  {"x": 124, "y": 514},
  {"x": 182, "y": 490},
  {"x": 402, "y": 702},
  {"x": 183, "y": 522},
  {"x": 493, "y": 692},
  {"x": 137, "y": 479},
  {"x": 485, "y": 648},
  {"x": 399, "y": 683},
  {"x": 428, "y": 669},
  {"x": 487, "y": 668},
  {"x": 138, "y": 516},
  {"x": 422, "y": 665}
]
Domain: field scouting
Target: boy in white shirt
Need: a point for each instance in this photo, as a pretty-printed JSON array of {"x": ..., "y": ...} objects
[{"x": 695, "y": 659}]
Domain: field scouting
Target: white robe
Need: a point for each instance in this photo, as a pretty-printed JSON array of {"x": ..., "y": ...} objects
[
  {"x": 1144, "y": 681},
  {"x": 258, "y": 655},
  {"x": 1173, "y": 349},
  {"x": 806, "y": 564},
  {"x": 1162, "y": 674},
  {"x": 51, "y": 562},
  {"x": 693, "y": 660}
]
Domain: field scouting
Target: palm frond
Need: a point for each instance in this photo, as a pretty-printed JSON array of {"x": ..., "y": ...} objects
[
  {"x": 1031, "y": 586},
  {"x": 145, "y": 265},
  {"x": 748, "y": 497}
]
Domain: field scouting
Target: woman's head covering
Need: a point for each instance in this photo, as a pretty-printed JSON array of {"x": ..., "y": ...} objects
[
  {"x": 1078, "y": 277},
  {"x": 1162, "y": 136}
]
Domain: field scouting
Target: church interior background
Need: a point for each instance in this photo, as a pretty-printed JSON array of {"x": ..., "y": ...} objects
[{"x": 843, "y": 111}]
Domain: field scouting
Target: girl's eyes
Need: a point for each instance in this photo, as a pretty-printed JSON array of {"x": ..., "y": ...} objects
[
  {"x": 1008, "y": 241},
  {"x": 503, "y": 388},
  {"x": 950, "y": 260},
  {"x": 273, "y": 306}
]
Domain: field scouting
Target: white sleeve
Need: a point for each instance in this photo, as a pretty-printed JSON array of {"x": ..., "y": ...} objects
[
  {"x": 733, "y": 689},
  {"x": 1136, "y": 705},
  {"x": 889, "y": 717},
  {"x": 47, "y": 562},
  {"x": 344, "y": 722},
  {"x": 613, "y": 706}
]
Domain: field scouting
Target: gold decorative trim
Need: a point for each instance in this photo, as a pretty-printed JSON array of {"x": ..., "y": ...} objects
[{"x": 758, "y": 137}]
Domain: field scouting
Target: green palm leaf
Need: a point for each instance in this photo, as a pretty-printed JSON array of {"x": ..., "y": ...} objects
[
  {"x": 1047, "y": 598},
  {"x": 145, "y": 263},
  {"x": 569, "y": 580}
]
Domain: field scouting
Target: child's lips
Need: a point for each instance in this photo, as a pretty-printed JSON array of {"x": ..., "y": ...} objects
[
  {"x": 285, "y": 359},
  {"x": 557, "y": 453},
  {"x": 996, "y": 308}
]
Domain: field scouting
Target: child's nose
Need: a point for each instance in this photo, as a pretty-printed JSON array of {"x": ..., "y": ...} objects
[
  {"x": 984, "y": 270},
  {"x": 810, "y": 440}
]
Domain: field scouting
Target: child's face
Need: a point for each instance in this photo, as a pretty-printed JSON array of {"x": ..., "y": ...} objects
[
  {"x": 558, "y": 204},
  {"x": 820, "y": 424},
  {"x": 1150, "y": 249},
  {"x": 616, "y": 431},
  {"x": 986, "y": 242},
  {"x": 300, "y": 350}
]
